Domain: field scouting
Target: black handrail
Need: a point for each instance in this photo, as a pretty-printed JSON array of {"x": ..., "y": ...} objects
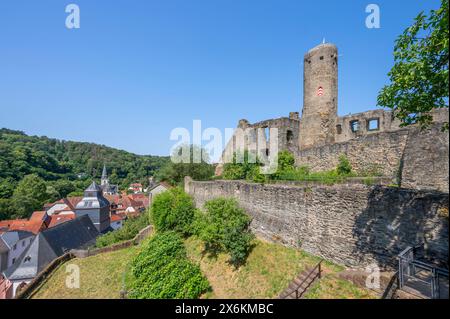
[
  {"x": 409, "y": 261},
  {"x": 319, "y": 274}
]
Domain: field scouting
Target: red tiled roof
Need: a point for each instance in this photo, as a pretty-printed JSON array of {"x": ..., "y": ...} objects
[
  {"x": 37, "y": 222},
  {"x": 74, "y": 201},
  {"x": 7, "y": 223},
  {"x": 115, "y": 218},
  {"x": 57, "y": 219},
  {"x": 113, "y": 199}
]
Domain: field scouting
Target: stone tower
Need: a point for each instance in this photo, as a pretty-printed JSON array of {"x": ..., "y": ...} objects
[{"x": 320, "y": 94}]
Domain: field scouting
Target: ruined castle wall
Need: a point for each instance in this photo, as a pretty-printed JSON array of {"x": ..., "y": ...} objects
[
  {"x": 425, "y": 160},
  {"x": 253, "y": 137},
  {"x": 353, "y": 225},
  {"x": 416, "y": 158},
  {"x": 364, "y": 122},
  {"x": 381, "y": 152}
]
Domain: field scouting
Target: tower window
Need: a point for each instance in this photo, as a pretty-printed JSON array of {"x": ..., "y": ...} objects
[
  {"x": 373, "y": 124},
  {"x": 339, "y": 129},
  {"x": 267, "y": 134},
  {"x": 321, "y": 57},
  {"x": 289, "y": 136},
  {"x": 354, "y": 126}
]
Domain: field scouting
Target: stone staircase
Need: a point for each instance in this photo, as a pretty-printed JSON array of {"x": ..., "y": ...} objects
[{"x": 300, "y": 285}]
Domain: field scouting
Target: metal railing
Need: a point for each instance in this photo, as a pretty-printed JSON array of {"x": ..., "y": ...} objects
[
  {"x": 316, "y": 272},
  {"x": 410, "y": 267}
]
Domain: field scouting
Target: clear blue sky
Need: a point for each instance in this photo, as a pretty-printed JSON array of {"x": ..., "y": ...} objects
[{"x": 137, "y": 69}]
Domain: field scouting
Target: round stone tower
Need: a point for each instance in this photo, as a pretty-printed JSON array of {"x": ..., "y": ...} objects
[{"x": 320, "y": 94}]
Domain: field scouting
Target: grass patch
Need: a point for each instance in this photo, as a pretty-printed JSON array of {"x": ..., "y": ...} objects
[
  {"x": 268, "y": 271},
  {"x": 331, "y": 287},
  {"x": 101, "y": 277}
]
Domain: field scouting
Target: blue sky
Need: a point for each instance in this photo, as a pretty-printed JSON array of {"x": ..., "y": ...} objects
[{"x": 137, "y": 69}]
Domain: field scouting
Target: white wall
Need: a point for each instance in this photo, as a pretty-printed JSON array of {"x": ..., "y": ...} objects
[{"x": 21, "y": 245}]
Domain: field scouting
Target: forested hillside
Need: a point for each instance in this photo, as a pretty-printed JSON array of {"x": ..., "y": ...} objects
[{"x": 31, "y": 165}]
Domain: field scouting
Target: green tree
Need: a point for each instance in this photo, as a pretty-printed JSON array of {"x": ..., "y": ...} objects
[
  {"x": 173, "y": 210},
  {"x": 224, "y": 226},
  {"x": 30, "y": 195},
  {"x": 174, "y": 173},
  {"x": 420, "y": 78},
  {"x": 243, "y": 166}
]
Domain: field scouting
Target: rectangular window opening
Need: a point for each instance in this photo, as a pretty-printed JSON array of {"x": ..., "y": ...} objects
[
  {"x": 354, "y": 126},
  {"x": 373, "y": 124}
]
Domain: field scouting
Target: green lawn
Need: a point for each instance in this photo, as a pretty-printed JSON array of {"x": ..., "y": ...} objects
[
  {"x": 101, "y": 276},
  {"x": 269, "y": 269}
]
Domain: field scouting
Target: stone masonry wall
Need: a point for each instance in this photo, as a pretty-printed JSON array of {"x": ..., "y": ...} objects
[
  {"x": 425, "y": 160},
  {"x": 353, "y": 225},
  {"x": 418, "y": 158},
  {"x": 383, "y": 151}
]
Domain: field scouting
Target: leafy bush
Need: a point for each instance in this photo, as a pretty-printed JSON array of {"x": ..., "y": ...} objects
[
  {"x": 344, "y": 167},
  {"x": 243, "y": 168},
  {"x": 131, "y": 227},
  {"x": 162, "y": 271},
  {"x": 173, "y": 210},
  {"x": 225, "y": 227}
]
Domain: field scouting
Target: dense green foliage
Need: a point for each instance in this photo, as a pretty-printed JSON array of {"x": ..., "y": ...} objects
[
  {"x": 163, "y": 271},
  {"x": 224, "y": 226},
  {"x": 287, "y": 171},
  {"x": 173, "y": 210},
  {"x": 131, "y": 227},
  {"x": 420, "y": 78},
  {"x": 175, "y": 170},
  {"x": 243, "y": 167},
  {"x": 66, "y": 167},
  {"x": 344, "y": 167}
]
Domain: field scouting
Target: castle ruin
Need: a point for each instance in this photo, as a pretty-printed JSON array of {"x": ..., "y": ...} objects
[{"x": 372, "y": 139}]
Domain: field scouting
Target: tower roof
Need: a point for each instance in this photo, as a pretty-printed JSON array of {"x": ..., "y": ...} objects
[
  {"x": 104, "y": 173},
  {"x": 322, "y": 46},
  {"x": 94, "y": 188}
]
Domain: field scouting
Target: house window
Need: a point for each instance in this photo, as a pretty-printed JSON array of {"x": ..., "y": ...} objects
[
  {"x": 354, "y": 126},
  {"x": 321, "y": 58},
  {"x": 15, "y": 247},
  {"x": 373, "y": 124},
  {"x": 23, "y": 243},
  {"x": 27, "y": 259},
  {"x": 13, "y": 261},
  {"x": 339, "y": 129}
]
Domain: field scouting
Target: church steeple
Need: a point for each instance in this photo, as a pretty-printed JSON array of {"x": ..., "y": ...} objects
[{"x": 104, "y": 180}]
